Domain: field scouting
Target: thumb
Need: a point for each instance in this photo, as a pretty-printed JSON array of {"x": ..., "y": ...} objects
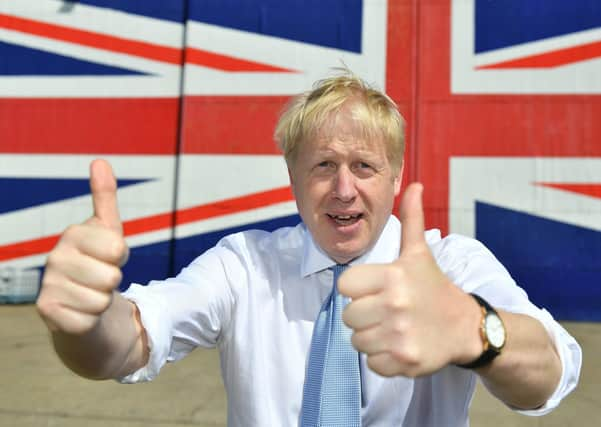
[
  {"x": 412, "y": 218},
  {"x": 104, "y": 194}
]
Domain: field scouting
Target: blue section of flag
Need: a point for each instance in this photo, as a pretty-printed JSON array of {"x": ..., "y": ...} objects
[
  {"x": 331, "y": 23},
  {"x": 556, "y": 263},
  {"x": 506, "y": 23},
  {"x": 21, "y": 193},
  {"x": 172, "y": 10},
  {"x": 186, "y": 250},
  {"x": 146, "y": 263},
  {"x": 23, "y": 61},
  {"x": 154, "y": 262}
]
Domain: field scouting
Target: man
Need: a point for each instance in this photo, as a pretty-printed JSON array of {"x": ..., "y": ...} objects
[{"x": 423, "y": 339}]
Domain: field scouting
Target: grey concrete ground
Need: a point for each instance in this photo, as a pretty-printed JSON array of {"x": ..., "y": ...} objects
[{"x": 36, "y": 390}]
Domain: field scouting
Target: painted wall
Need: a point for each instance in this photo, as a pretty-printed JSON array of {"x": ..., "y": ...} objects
[{"x": 503, "y": 108}]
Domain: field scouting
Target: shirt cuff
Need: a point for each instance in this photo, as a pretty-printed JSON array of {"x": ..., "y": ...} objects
[{"x": 155, "y": 323}]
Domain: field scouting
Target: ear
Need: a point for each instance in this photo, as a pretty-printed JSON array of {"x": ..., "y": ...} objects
[{"x": 398, "y": 180}]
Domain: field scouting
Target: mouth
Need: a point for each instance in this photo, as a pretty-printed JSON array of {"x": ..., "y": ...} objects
[{"x": 345, "y": 219}]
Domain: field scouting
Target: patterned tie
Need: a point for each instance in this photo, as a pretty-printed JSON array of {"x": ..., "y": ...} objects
[{"x": 332, "y": 392}]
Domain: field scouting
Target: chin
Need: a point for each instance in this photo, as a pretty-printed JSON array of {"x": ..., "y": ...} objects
[{"x": 347, "y": 255}]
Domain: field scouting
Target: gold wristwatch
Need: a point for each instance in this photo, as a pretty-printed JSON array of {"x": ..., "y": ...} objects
[{"x": 492, "y": 332}]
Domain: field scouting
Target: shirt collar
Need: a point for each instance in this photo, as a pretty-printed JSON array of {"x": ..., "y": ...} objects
[{"x": 385, "y": 250}]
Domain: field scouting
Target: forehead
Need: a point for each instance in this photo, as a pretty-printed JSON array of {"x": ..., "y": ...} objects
[{"x": 342, "y": 131}]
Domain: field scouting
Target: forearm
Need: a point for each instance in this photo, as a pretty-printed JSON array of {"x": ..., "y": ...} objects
[
  {"x": 529, "y": 369},
  {"x": 115, "y": 347}
]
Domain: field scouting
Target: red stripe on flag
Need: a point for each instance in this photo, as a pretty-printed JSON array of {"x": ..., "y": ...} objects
[
  {"x": 141, "y": 49},
  {"x": 551, "y": 59},
  {"x": 228, "y": 63},
  {"x": 89, "y": 125},
  {"x": 234, "y": 205},
  {"x": 250, "y": 121},
  {"x": 162, "y": 221},
  {"x": 592, "y": 190},
  {"x": 28, "y": 248},
  {"x": 87, "y": 38}
]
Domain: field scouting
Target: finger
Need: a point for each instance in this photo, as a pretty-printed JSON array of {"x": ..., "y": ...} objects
[
  {"x": 105, "y": 245},
  {"x": 386, "y": 365},
  {"x": 85, "y": 270},
  {"x": 104, "y": 194},
  {"x": 370, "y": 341},
  {"x": 73, "y": 321},
  {"x": 101, "y": 243},
  {"x": 412, "y": 218},
  {"x": 360, "y": 280},
  {"x": 364, "y": 312},
  {"x": 82, "y": 298}
]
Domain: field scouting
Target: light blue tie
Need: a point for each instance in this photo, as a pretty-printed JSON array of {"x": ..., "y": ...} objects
[{"x": 332, "y": 392}]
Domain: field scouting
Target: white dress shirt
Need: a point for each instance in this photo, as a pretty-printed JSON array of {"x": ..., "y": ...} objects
[{"x": 256, "y": 295}]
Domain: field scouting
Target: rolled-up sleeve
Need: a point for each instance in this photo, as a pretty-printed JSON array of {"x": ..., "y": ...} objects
[
  {"x": 471, "y": 266},
  {"x": 570, "y": 355},
  {"x": 157, "y": 328},
  {"x": 190, "y": 310}
]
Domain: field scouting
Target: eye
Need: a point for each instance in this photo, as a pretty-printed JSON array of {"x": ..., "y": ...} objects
[
  {"x": 326, "y": 164},
  {"x": 363, "y": 166},
  {"x": 364, "y": 169}
]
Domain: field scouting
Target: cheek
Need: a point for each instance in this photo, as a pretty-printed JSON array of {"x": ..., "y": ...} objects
[
  {"x": 379, "y": 198},
  {"x": 316, "y": 192},
  {"x": 307, "y": 202}
]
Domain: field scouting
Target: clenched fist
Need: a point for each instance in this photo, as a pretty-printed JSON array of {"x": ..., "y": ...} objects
[
  {"x": 83, "y": 269},
  {"x": 407, "y": 317}
]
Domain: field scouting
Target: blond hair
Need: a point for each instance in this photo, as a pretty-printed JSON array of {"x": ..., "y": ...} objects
[{"x": 375, "y": 113}]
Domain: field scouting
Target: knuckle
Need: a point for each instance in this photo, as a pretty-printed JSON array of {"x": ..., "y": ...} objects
[
  {"x": 117, "y": 249},
  {"x": 125, "y": 257},
  {"x": 346, "y": 318},
  {"x": 72, "y": 232},
  {"x": 382, "y": 365},
  {"x": 409, "y": 355},
  {"x": 113, "y": 278},
  {"x": 52, "y": 260},
  {"x": 101, "y": 303},
  {"x": 45, "y": 307},
  {"x": 72, "y": 229},
  {"x": 48, "y": 284},
  {"x": 357, "y": 340},
  {"x": 372, "y": 364},
  {"x": 394, "y": 302},
  {"x": 57, "y": 257}
]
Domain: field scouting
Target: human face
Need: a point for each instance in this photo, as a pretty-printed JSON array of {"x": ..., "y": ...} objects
[{"x": 344, "y": 187}]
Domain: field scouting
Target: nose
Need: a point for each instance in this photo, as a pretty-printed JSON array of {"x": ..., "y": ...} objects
[{"x": 344, "y": 185}]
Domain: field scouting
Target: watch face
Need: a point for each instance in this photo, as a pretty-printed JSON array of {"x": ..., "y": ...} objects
[{"x": 495, "y": 331}]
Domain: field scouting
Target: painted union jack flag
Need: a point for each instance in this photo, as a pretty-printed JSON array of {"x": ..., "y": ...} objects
[
  {"x": 180, "y": 96},
  {"x": 525, "y": 176},
  {"x": 502, "y": 100}
]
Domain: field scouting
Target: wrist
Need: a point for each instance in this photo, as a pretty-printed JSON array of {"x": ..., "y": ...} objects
[{"x": 470, "y": 341}]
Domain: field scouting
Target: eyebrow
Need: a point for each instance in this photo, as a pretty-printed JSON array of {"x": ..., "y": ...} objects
[{"x": 360, "y": 153}]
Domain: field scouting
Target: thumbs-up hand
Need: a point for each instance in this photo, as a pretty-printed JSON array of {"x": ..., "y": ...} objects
[
  {"x": 83, "y": 269},
  {"x": 407, "y": 316}
]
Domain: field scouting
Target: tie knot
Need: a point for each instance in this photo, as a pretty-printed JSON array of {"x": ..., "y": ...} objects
[{"x": 339, "y": 268}]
